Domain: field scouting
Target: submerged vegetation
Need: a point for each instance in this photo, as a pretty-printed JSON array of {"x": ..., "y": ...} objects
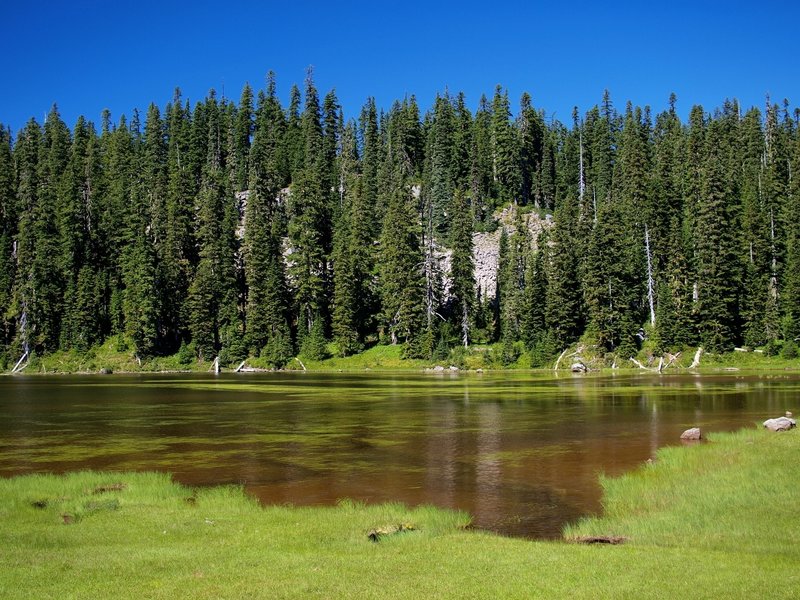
[
  {"x": 715, "y": 518},
  {"x": 253, "y": 230}
]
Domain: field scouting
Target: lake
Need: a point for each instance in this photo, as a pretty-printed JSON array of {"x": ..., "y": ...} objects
[{"x": 520, "y": 452}]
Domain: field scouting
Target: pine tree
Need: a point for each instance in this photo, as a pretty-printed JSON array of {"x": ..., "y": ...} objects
[
  {"x": 533, "y": 326},
  {"x": 791, "y": 293},
  {"x": 505, "y": 151},
  {"x": 531, "y": 135},
  {"x": 354, "y": 301},
  {"x": 244, "y": 127},
  {"x": 309, "y": 228},
  {"x": 371, "y": 153},
  {"x": 438, "y": 191},
  {"x": 563, "y": 307},
  {"x": 267, "y": 311},
  {"x": 481, "y": 180},
  {"x": 213, "y": 295},
  {"x": 462, "y": 270},
  {"x": 717, "y": 275},
  {"x": 401, "y": 279},
  {"x": 8, "y": 234}
]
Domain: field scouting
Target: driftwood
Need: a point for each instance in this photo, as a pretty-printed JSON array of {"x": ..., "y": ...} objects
[
  {"x": 301, "y": 363},
  {"x": 640, "y": 365},
  {"x": 558, "y": 362},
  {"x": 696, "y": 361},
  {"x": 672, "y": 358},
  {"x": 215, "y": 365},
  {"x": 239, "y": 368},
  {"x": 17, "y": 367}
]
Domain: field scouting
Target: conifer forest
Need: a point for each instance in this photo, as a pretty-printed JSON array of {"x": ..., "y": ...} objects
[{"x": 250, "y": 228}]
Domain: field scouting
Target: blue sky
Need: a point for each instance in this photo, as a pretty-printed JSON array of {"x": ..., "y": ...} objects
[{"x": 86, "y": 56}]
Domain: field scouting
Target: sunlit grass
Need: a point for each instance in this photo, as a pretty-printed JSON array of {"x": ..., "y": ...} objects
[{"x": 715, "y": 520}]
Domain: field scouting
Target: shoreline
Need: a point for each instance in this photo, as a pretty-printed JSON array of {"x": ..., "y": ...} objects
[{"x": 695, "y": 514}]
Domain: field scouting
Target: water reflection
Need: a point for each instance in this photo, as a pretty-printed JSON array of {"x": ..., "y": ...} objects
[{"x": 520, "y": 452}]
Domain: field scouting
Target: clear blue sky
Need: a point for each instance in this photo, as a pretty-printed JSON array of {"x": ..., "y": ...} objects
[{"x": 90, "y": 55}]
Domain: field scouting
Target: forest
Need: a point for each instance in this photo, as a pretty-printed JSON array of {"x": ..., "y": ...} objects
[{"x": 253, "y": 229}]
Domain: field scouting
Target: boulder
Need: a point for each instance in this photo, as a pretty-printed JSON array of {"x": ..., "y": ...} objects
[
  {"x": 578, "y": 367},
  {"x": 780, "y": 424},
  {"x": 692, "y": 434}
]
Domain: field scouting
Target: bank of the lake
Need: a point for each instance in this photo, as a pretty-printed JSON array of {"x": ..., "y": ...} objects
[
  {"x": 110, "y": 358},
  {"x": 712, "y": 520}
]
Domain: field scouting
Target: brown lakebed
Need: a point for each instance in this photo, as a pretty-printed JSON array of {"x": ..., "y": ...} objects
[{"x": 521, "y": 452}]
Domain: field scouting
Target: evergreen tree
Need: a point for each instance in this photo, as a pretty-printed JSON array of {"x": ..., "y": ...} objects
[
  {"x": 462, "y": 271},
  {"x": 309, "y": 228},
  {"x": 8, "y": 235},
  {"x": 505, "y": 152},
  {"x": 481, "y": 179},
  {"x": 401, "y": 278},
  {"x": 531, "y": 134},
  {"x": 717, "y": 275},
  {"x": 791, "y": 294},
  {"x": 243, "y": 134},
  {"x": 267, "y": 311},
  {"x": 563, "y": 306}
]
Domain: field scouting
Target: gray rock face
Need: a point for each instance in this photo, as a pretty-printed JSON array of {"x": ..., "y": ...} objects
[
  {"x": 692, "y": 434},
  {"x": 486, "y": 247},
  {"x": 780, "y": 424}
]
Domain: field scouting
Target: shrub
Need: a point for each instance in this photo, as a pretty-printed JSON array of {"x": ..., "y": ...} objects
[{"x": 789, "y": 350}]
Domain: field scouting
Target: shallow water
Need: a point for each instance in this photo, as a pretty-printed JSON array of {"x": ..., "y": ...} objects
[{"x": 520, "y": 452}]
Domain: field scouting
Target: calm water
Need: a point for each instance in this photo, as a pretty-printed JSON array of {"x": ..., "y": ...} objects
[{"x": 521, "y": 453}]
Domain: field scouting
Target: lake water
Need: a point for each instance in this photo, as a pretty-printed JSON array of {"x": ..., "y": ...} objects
[{"x": 520, "y": 452}]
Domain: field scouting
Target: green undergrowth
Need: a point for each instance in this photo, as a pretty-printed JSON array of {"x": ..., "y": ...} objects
[
  {"x": 116, "y": 355},
  {"x": 711, "y": 521}
]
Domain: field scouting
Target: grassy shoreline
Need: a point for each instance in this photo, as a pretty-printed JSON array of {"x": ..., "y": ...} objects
[
  {"x": 711, "y": 520},
  {"x": 107, "y": 358}
]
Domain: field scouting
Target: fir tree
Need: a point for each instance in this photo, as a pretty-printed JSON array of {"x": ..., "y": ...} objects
[
  {"x": 505, "y": 152},
  {"x": 717, "y": 276},
  {"x": 462, "y": 270}
]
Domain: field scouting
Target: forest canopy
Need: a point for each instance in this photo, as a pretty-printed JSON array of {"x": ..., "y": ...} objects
[{"x": 250, "y": 228}]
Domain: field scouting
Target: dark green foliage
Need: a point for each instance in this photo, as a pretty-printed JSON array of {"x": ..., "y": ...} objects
[
  {"x": 278, "y": 351},
  {"x": 8, "y": 231},
  {"x": 315, "y": 346},
  {"x": 402, "y": 280},
  {"x": 462, "y": 271},
  {"x": 505, "y": 151},
  {"x": 243, "y": 229},
  {"x": 563, "y": 303},
  {"x": 717, "y": 273}
]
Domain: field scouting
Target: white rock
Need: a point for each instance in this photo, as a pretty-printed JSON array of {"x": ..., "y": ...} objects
[
  {"x": 780, "y": 424},
  {"x": 692, "y": 434}
]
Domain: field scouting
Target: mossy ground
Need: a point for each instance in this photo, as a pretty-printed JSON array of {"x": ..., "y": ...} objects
[{"x": 710, "y": 521}]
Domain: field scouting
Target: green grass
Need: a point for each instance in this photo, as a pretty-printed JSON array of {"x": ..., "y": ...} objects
[
  {"x": 117, "y": 355},
  {"x": 714, "y": 520}
]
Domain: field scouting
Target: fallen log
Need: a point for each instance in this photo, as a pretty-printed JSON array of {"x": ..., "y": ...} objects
[
  {"x": 640, "y": 365},
  {"x": 19, "y": 362}
]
